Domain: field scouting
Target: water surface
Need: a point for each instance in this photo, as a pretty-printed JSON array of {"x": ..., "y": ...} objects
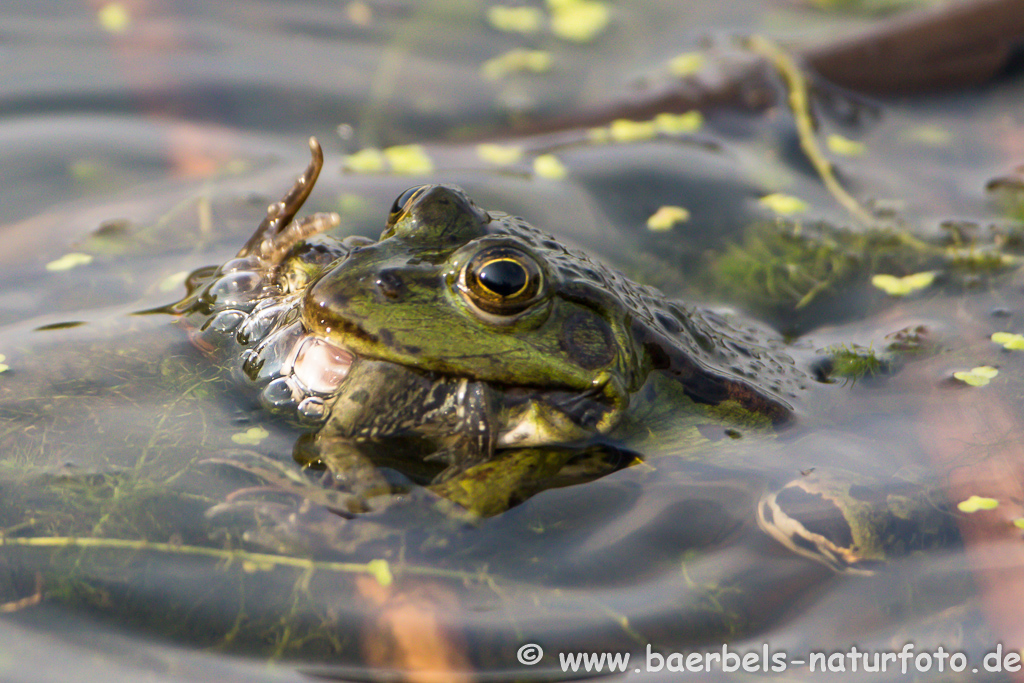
[{"x": 153, "y": 147}]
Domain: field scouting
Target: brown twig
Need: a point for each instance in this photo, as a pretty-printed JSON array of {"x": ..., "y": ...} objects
[
  {"x": 950, "y": 47},
  {"x": 30, "y": 601}
]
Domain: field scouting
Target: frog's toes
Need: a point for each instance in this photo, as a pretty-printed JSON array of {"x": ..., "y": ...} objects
[
  {"x": 260, "y": 466},
  {"x": 244, "y": 511},
  {"x": 294, "y": 527}
]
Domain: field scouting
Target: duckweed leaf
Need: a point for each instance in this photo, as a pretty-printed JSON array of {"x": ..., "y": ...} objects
[
  {"x": 250, "y": 437},
  {"x": 902, "y": 286},
  {"x": 369, "y": 160},
  {"x": 784, "y": 204},
  {"x": 674, "y": 124},
  {"x": 549, "y": 166},
  {"x": 499, "y": 155},
  {"x": 349, "y": 203},
  {"x": 516, "y": 61},
  {"x": 69, "y": 261},
  {"x": 524, "y": 20},
  {"x": 113, "y": 17},
  {"x": 686, "y": 64},
  {"x": 409, "y": 159},
  {"x": 664, "y": 218},
  {"x": 381, "y": 571},
  {"x": 845, "y": 146},
  {"x": 975, "y": 503},
  {"x": 88, "y": 171},
  {"x": 579, "y": 20},
  {"x": 1009, "y": 341},
  {"x": 625, "y": 130},
  {"x": 929, "y": 135},
  {"x": 977, "y": 377}
]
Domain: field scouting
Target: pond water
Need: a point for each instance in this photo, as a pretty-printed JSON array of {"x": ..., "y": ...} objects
[{"x": 142, "y": 140}]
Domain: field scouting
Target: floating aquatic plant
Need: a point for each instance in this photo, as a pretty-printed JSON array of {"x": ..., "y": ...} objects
[
  {"x": 976, "y": 377},
  {"x": 853, "y": 362},
  {"x": 976, "y": 503}
]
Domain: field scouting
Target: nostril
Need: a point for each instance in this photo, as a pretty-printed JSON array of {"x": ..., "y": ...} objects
[{"x": 389, "y": 283}]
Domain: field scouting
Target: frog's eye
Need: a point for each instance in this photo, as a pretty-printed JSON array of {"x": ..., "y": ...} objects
[
  {"x": 502, "y": 280},
  {"x": 403, "y": 201}
]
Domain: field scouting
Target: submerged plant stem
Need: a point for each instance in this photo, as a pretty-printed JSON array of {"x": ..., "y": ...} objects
[
  {"x": 259, "y": 561},
  {"x": 800, "y": 104}
]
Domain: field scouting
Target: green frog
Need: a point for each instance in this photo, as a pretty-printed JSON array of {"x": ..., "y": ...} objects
[{"x": 470, "y": 348}]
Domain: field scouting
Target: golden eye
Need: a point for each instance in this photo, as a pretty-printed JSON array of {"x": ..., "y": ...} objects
[
  {"x": 403, "y": 201},
  {"x": 502, "y": 280}
]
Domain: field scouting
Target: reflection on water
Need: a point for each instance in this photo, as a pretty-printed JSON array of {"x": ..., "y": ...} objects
[{"x": 136, "y": 152}]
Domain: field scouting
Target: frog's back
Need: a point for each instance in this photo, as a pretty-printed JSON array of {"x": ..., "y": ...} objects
[{"x": 715, "y": 354}]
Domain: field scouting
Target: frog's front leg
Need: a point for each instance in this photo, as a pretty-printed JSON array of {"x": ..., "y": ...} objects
[
  {"x": 349, "y": 482},
  {"x": 347, "y": 465},
  {"x": 854, "y": 524},
  {"x": 489, "y": 488},
  {"x": 462, "y": 423}
]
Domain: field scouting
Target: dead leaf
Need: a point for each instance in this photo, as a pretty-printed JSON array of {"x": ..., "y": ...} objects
[{"x": 407, "y": 631}]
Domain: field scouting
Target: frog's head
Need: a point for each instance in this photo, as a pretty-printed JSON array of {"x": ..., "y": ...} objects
[{"x": 455, "y": 290}]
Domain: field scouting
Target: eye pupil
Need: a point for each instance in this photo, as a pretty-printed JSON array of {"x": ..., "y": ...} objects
[
  {"x": 405, "y": 198},
  {"x": 502, "y": 280},
  {"x": 504, "y": 277}
]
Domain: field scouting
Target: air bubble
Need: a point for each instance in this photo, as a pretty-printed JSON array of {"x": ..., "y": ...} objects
[
  {"x": 277, "y": 353},
  {"x": 278, "y": 394},
  {"x": 249, "y": 368},
  {"x": 234, "y": 265},
  {"x": 225, "y": 321},
  {"x": 313, "y": 408},
  {"x": 235, "y": 289},
  {"x": 259, "y": 324}
]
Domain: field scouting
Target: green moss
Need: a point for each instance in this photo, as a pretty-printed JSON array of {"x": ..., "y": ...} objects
[
  {"x": 784, "y": 266},
  {"x": 733, "y": 415},
  {"x": 854, "y": 362}
]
